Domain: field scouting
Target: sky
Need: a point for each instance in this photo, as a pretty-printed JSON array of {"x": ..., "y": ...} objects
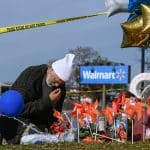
[{"x": 21, "y": 49}]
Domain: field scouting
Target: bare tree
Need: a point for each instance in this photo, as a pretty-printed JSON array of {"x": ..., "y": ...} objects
[{"x": 85, "y": 56}]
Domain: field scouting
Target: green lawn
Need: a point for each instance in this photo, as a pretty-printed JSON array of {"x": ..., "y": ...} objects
[{"x": 82, "y": 146}]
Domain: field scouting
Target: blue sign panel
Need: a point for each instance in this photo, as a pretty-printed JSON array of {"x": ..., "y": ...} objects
[{"x": 104, "y": 74}]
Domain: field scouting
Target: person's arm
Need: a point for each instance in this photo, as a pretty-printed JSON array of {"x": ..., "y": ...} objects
[
  {"x": 29, "y": 84},
  {"x": 59, "y": 104},
  {"x": 34, "y": 107}
]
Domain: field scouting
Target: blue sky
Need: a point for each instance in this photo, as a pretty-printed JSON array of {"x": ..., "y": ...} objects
[{"x": 36, "y": 46}]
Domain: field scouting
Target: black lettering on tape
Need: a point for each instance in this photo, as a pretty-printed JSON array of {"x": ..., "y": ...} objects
[{"x": 10, "y": 29}]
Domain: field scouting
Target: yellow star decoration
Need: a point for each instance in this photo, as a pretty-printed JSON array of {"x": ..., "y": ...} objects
[
  {"x": 133, "y": 35},
  {"x": 146, "y": 18}
]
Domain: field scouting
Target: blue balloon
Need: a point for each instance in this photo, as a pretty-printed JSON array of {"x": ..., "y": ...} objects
[
  {"x": 132, "y": 16},
  {"x": 11, "y": 103},
  {"x": 135, "y": 5}
]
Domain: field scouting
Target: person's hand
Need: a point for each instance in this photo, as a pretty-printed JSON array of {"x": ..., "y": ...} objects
[{"x": 55, "y": 95}]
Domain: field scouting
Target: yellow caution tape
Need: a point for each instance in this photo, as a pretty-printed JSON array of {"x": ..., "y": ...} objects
[
  {"x": 92, "y": 91},
  {"x": 46, "y": 23}
]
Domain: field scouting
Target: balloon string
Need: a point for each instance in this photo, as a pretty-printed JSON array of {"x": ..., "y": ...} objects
[{"x": 23, "y": 123}]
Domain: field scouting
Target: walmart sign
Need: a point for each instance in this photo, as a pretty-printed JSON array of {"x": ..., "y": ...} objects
[{"x": 104, "y": 74}]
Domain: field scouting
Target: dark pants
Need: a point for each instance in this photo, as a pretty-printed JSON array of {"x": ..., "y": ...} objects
[{"x": 12, "y": 130}]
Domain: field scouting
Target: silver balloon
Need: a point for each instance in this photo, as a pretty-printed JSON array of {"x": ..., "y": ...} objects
[
  {"x": 134, "y": 85},
  {"x": 116, "y": 6}
]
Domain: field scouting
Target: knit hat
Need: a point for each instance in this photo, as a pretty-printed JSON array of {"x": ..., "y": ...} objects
[{"x": 63, "y": 67}]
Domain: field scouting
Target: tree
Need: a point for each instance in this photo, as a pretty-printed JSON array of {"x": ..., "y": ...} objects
[{"x": 85, "y": 56}]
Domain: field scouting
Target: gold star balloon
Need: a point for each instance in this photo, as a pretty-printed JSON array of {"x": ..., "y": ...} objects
[
  {"x": 132, "y": 34},
  {"x": 146, "y": 18}
]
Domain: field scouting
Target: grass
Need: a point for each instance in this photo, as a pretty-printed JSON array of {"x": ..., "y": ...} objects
[{"x": 81, "y": 146}]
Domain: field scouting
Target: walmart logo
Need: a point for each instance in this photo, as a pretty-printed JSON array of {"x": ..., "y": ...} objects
[
  {"x": 120, "y": 74},
  {"x": 104, "y": 74}
]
